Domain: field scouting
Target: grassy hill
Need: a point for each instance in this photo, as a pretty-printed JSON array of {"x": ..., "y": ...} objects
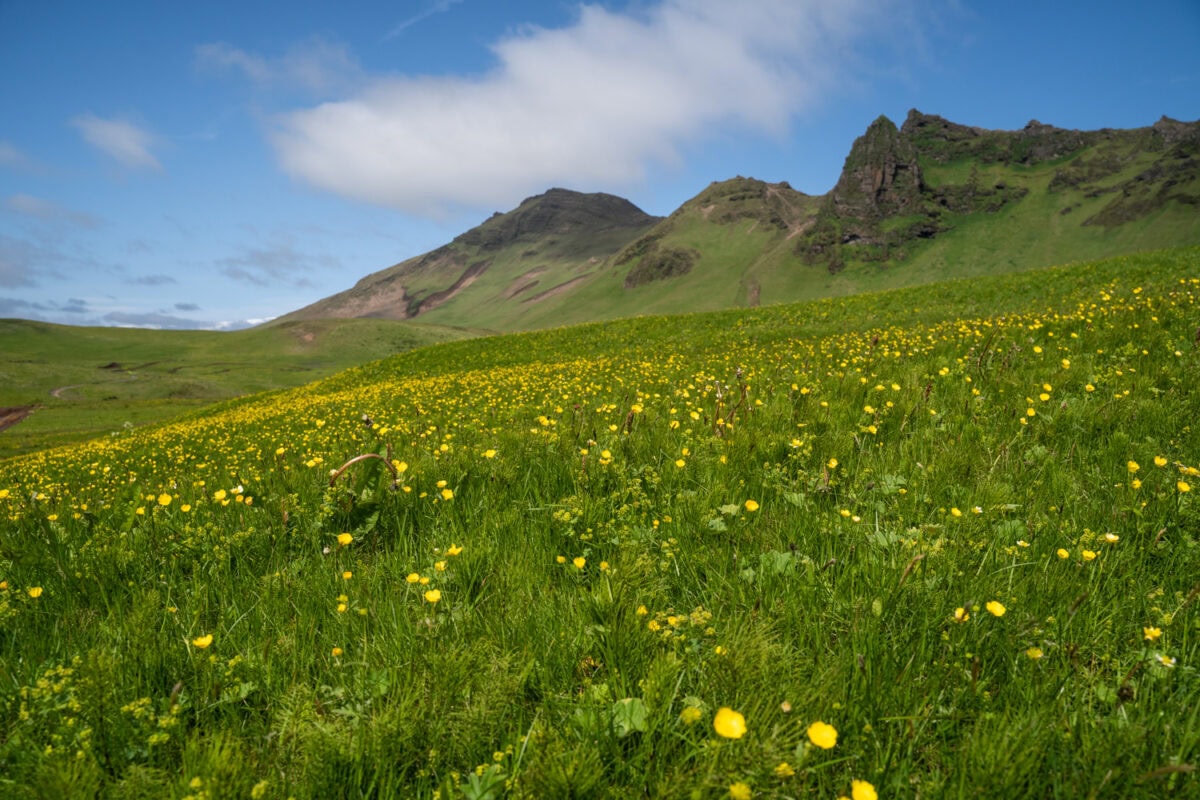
[
  {"x": 928, "y": 201},
  {"x": 77, "y": 382},
  {"x": 935, "y": 542}
]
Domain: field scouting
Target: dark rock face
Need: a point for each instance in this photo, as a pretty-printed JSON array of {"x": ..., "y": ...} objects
[
  {"x": 660, "y": 263},
  {"x": 558, "y": 211},
  {"x": 881, "y": 176}
]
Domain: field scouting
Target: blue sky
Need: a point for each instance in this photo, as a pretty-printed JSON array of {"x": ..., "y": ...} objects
[{"x": 210, "y": 165}]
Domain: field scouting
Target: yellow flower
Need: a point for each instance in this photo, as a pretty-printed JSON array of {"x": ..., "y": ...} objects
[
  {"x": 1160, "y": 461},
  {"x": 1183, "y": 486},
  {"x": 822, "y": 734},
  {"x": 219, "y": 494},
  {"x": 1151, "y": 634},
  {"x": 739, "y": 791},
  {"x": 1034, "y": 652},
  {"x": 440, "y": 566},
  {"x": 201, "y": 642},
  {"x": 1066, "y": 364},
  {"x": 453, "y": 550},
  {"x": 862, "y": 790},
  {"x": 447, "y": 494},
  {"x": 1111, "y": 538},
  {"x": 955, "y": 512},
  {"x": 1132, "y": 466},
  {"x": 560, "y": 559},
  {"x": 489, "y": 453},
  {"x": 347, "y": 575},
  {"x": 832, "y": 463},
  {"x": 164, "y": 499},
  {"x": 345, "y": 539},
  {"x": 413, "y": 577},
  {"x": 1088, "y": 555},
  {"x": 679, "y": 462},
  {"x": 961, "y": 615},
  {"x": 35, "y": 592},
  {"x": 784, "y": 770},
  {"x": 729, "y": 723},
  {"x": 642, "y": 611},
  {"x": 689, "y": 715},
  {"x": 751, "y": 505},
  {"x": 1063, "y": 552},
  {"x": 603, "y": 566},
  {"x": 995, "y": 608},
  {"x": 579, "y": 562},
  {"x": 337, "y": 651},
  {"x": 433, "y": 595}
]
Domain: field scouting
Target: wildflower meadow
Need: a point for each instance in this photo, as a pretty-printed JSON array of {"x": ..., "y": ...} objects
[{"x": 935, "y": 542}]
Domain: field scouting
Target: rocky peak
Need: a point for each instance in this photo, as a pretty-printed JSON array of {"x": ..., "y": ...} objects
[
  {"x": 557, "y": 211},
  {"x": 881, "y": 175}
]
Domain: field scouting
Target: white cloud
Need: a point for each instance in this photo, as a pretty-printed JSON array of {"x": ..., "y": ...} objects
[
  {"x": 316, "y": 65},
  {"x": 592, "y": 105},
  {"x": 119, "y": 139}
]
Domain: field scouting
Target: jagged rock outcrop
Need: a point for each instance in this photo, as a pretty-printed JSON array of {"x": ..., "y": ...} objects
[{"x": 881, "y": 177}]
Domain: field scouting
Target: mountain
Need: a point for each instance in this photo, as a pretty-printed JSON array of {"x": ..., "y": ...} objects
[
  {"x": 928, "y": 200},
  {"x": 539, "y": 250}
]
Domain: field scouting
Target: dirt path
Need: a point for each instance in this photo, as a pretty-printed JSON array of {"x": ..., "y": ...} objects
[
  {"x": 13, "y": 414},
  {"x": 58, "y": 393}
]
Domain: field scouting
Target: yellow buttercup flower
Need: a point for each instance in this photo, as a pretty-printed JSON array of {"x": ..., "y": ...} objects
[
  {"x": 345, "y": 539},
  {"x": 1151, "y": 634},
  {"x": 579, "y": 562},
  {"x": 164, "y": 499},
  {"x": 201, "y": 642},
  {"x": 995, "y": 608},
  {"x": 823, "y": 735},
  {"x": 740, "y": 791},
  {"x": 35, "y": 592},
  {"x": 729, "y": 723},
  {"x": 862, "y": 790},
  {"x": 433, "y": 595},
  {"x": 447, "y": 494},
  {"x": 453, "y": 550},
  {"x": 751, "y": 505}
]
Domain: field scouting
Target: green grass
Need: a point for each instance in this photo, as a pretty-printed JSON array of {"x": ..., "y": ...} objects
[
  {"x": 111, "y": 379},
  {"x": 913, "y": 458}
]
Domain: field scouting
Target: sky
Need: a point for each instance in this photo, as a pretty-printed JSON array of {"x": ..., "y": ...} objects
[{"x": 214, "y": 165}]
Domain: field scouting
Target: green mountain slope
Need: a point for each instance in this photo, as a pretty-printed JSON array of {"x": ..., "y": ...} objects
[{"x": 927, "y": 201}]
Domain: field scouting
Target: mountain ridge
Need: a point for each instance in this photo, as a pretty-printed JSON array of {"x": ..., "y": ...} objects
[{"x": 927, "y": 199}]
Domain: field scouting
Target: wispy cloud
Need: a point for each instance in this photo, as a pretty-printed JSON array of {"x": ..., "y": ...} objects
[
  {"x": 45, "y": 210},
  {"x": 22, "y": 262},
  {"x": 437, "y": 7},
  {"x": 318, "y": 66},
  {"x": 278, "y": 265},
  {"x": 119, "y": 139},
  {"x": 10, "y": 156},
  {"x": 592, "y": 105},
  {"x": 151, "y": 280}
]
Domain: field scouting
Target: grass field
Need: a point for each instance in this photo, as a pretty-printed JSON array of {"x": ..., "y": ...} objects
[
  {"x": 933, "y": 542},
  {"x": 85, "y": 382}
]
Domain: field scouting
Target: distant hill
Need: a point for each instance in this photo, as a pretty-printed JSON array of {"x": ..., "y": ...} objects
[{"x": 929, "y": 200}]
